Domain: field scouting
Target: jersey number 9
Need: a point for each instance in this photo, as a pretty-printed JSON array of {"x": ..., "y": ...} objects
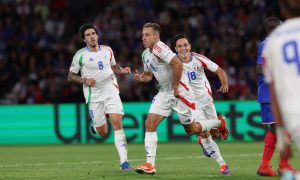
[{"x": 291, "y": 53}]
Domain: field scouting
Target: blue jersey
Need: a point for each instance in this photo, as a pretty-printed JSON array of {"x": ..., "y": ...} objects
[{"x": 263, "y": 90}]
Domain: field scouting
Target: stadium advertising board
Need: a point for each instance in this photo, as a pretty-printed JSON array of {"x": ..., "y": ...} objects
[{"x": 69, "y": 123}]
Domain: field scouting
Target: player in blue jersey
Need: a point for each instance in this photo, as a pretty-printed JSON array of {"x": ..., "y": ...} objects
[
  {"x": 282, "y": 72},
  {"x": 266, "y": 113}
]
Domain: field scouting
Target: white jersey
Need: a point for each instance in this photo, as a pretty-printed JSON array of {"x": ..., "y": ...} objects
[
  {"x": 96, "y": 65},
  {"x": 282, "y": 53},
  {"x": 197, "y": 78},
  {"x": 157, "y": 62}
]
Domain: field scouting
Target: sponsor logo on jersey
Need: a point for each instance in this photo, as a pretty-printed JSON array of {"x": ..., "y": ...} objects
[{"x": 91, "y": 59}]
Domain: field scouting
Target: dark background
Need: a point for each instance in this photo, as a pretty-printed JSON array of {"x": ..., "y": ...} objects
[{"x": 39, "y": 38}]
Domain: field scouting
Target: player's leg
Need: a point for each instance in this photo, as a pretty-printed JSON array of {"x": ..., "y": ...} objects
[
  {"x": 151, "y": 141},
  {"x": 292, "y": 125},
  {"x": 96, "y": 111},
  {"x": 265, "y": 168},
  {"x": 188, "y": 114},
  {"x": 114, "y": 109},
  {"x": 208, "y": 144},
  {"x": 284, "y": 162},
  {"x": 158, "y": 111}
]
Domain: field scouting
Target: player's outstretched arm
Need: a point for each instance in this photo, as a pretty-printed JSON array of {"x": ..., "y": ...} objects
[
  {"x": 223, "y": 78},
  {"x": 177, "y": 68},
  {"x": 72, "y": 77},
  {"x": 118, "y": 70},
  {"x": 144, "y": 77}
]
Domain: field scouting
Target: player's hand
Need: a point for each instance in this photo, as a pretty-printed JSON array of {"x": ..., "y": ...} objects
[
  {"x": 284, "y": 142},
  {"x": 137, "y": 75},
  {"x": 176, "y": 93},
  {"x": 223, "y": 88},
  {"x": 126, "y": 70},
  {"x": 90, "y": 82}
]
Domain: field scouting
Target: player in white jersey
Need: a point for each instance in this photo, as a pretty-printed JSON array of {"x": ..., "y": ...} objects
[
  {"x": 193, "y": 66},
  {"x": 282, "y": 72},
  {"x": 174, "y": 94},
  {"x": 97, "y": 66}
]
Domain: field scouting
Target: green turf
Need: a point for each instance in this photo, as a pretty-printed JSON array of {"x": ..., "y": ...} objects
[{"x": 174, "y": 161}]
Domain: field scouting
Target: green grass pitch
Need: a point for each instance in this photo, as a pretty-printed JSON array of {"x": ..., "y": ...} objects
[{"x": 100, "y": 161}]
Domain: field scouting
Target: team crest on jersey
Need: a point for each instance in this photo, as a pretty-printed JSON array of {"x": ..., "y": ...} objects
[
  {"x": 195, "y": 66},
  {"x": 91, "y": 59}
]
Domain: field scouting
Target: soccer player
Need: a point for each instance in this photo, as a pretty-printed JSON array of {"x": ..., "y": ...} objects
[
  {"x": 282, "y": 72},
  {"x": 174, "y": 94},
  {"x": 97, "y": 65},
  {"x": 266, "y": 113},
  {"x": 194, "y": 65}
]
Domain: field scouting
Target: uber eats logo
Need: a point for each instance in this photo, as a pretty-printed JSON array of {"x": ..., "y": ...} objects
[{"x": 243, "y": 119}]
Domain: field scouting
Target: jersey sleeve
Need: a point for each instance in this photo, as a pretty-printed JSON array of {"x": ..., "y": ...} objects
[
  {"x": 111, "y": 56},
  {"x": 163, "y": 52},
  {"x": 76, "y": 63},
  {"x": 205, "y": 62},
  {"x": 260, "y": 53},
  {"x": 267, "y": 66}
]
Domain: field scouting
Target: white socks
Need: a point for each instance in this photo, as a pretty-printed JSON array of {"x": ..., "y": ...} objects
[
  {"x": 209, "y": 123},
  {"x": 150, "y": 146},
  {"x": 121, "y": 145},
  {"x": 213, "y": 150}
]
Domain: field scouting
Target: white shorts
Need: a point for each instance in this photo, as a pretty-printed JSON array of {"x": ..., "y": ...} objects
[
  {"x": 98, "y": 110},
  {"x": 206, "y": 112},
  {"x": 164, "y": 103}
]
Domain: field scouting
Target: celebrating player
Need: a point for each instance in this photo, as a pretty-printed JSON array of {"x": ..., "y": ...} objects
[
  {"x": 282, "y": 72},
  {"x": 97, "y": 65},
  {"x": 194, "y": 65},
  {"x": 266, "y": 113},
  {"x": 174, "y": 94}
]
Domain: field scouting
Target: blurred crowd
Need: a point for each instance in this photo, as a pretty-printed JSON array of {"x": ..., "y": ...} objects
[{"x": 39, "y": 38}]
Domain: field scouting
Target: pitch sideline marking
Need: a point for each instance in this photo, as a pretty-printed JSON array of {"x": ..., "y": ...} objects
[{"x": 133, "y": 160}]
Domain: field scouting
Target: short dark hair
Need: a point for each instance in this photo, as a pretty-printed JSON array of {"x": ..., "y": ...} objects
[
  {"x": 84, "y": 27},
  {"x": 154, "y": 26},
  {"x": 271, "y": 23},
  {"x": 180, "y": 36}
]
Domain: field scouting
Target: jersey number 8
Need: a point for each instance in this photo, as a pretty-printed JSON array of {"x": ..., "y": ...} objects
[{"x": 100, "y": 65}]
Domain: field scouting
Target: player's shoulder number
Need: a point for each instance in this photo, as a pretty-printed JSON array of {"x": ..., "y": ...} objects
[{"x": 291, "y": 54}]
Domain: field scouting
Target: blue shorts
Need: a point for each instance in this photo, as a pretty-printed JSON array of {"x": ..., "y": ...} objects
[{"x": 266, "y": 113}]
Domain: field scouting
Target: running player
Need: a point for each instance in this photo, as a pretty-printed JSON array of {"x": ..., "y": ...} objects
[
  {"x": 97, "y": 65},
  {"x": 174, "y": 94},
  {"x": 194, "y": 65}
]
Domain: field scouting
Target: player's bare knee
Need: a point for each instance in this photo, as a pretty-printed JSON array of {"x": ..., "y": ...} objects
[
  {"x": 117, "y": 125},
  {"x": 190, "y": 133},
  {"x": 102, "y": 133},
  {"x": 150, "y": 126}
]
